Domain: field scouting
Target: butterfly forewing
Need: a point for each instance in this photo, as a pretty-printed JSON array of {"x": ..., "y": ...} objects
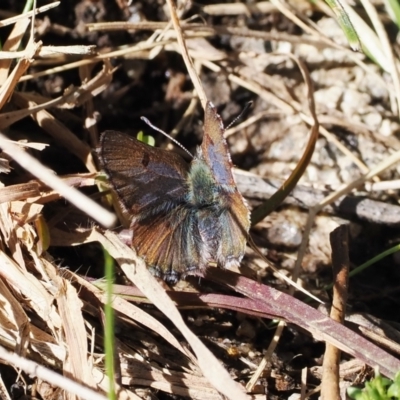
[
  {"x": 144, "y": 178},
  {"x": 214, "y": 147}
]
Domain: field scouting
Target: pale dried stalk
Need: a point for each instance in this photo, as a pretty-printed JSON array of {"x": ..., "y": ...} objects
[
  {"x": 39, "y": 10},
  {"x": 47, "y": 176},
  {"x": 12, "y": 44},
  {"x": 188, "y": 61},
  {"x": 15, "y": 77},
  {"x": 116, "y": 53},
  {"x": 50, "y": 50},
  {"x": 34, "y": 369}
]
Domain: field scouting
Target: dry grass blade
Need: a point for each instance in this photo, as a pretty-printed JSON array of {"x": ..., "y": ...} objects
[
  {"x": 7, "y": 119},
  {"x": 239, "y": 8},
  {"x": 54, "y": 316},
  {"x": 50, "y": 376},
  {"x": 121, "y": 305},
  {"x": 39, "y": 10},
  {"x": 128, "y": 51},
  {"x": 271, "y": 204},
  {"x": 54, "y": 127},
  {"x": 70, "y": 308},
  {"x": 19, "y": 192},
  {"x": 14, "y": 78},
  {"x": 29, "y": 287},
  {"x": 9, "y": 232},
  {"x": 178, "y": 384},
  {"x": 188, "y": 61},
  {"x": 81, "y": 201},
  {"x": 12, "y": 44},
  {"x": 135, "y": 269},
  {"x": 73, "y": 97},
  {"x": 50, "y": 50},
  {"x": 14, "y": 321},
  {"x": 263, "y": 366},
  {"x": 3, "y": 390}
]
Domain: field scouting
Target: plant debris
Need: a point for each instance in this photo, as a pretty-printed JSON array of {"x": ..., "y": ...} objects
[{"x": 80, "y": 67}]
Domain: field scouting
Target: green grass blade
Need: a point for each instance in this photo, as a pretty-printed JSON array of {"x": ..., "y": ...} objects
[
  {"x": 393, "y": 8},
  {"x": 374, "y": 260},
  {"x": 370, "y": 262},
  {"x": 109, "y": 325},
  {"x": 28, "y": 6},
  {"x": 370, "y": 41},
  {"x": 345, "y": 23}
]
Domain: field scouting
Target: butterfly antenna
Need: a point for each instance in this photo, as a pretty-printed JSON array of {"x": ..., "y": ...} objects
[
  {"x": 166, "y": 134},
  {"x": 246, "y": 107}
]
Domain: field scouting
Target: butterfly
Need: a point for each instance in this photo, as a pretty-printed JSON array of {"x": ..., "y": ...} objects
[{"x": 184, "y": 216}]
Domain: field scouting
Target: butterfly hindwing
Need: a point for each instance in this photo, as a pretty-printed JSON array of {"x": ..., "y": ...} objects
[
  {"x": 170, "y": 242},
  {"x": 234, "y": 217}
]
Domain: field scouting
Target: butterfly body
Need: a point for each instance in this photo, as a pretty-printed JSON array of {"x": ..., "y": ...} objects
[{"x": 184, "y": 217}]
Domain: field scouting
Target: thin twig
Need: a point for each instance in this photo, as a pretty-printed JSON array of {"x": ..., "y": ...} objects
[
  {"x": 185, "y": 54},
  {"x": 340, "y": 265}
]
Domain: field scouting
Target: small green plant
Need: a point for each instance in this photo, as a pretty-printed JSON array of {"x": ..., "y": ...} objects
[
  {"x": 146, "y": 139},
  {"x": 378, "y": 388}
]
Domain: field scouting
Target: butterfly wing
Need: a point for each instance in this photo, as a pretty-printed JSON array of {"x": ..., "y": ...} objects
[
  {"x": 146, "y": 180},
  {"x": 170, "y": 242},
  {"x": 231, "y": 218},
  {"x": 150, "y": 185},
  {"x": 236, "y": 223},
  {"x": 215, "y": 149}
]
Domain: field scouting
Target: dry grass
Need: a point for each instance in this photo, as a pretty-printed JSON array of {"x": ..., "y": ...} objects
[{"x": 51, "y": 315}]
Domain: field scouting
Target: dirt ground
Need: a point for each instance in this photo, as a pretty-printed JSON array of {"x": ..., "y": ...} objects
[{"x": 244, "y": 58}]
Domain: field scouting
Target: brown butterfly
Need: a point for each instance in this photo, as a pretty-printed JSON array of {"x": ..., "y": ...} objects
[{"x": 184, "y": 217}]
